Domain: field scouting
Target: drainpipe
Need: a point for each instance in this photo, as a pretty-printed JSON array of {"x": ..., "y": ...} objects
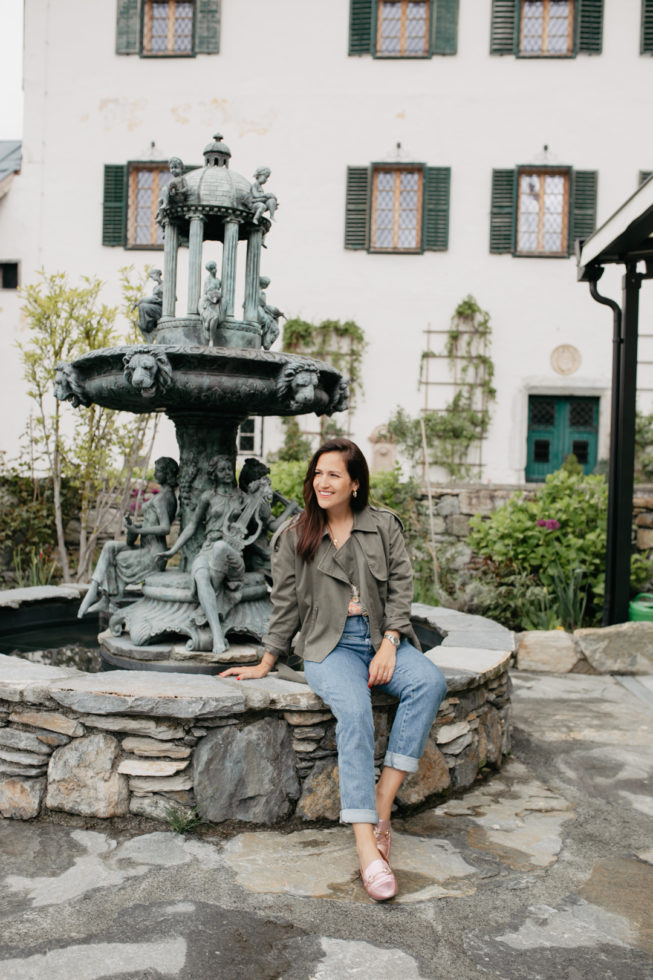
[{"x": 613, "y": 473}]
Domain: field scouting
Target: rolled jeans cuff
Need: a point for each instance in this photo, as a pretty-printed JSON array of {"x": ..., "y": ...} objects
[
  {"x": 404, "y": 762},
  {"x": 359, "y": 816}
]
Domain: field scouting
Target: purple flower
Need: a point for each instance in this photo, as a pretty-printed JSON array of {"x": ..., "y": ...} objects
[{"x": 550, "y": 525}]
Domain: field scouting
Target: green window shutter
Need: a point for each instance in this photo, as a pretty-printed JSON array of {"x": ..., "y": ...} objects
[
  {"x": 435, "y": 220},
  {"x": 583, "y": 205},
  {"x": 128, "y": 20},
  {"x": 445, "y": 33},
  {"x": 502, "y": 211},
  {"x": 357, "y": 207},
  {"x": 503, "y": 31},
  {"x": 114, "y": 204},
  {"x": 646, "y": 40},
  {"x": 644, "y": 176},
  {"x": 361, "y": 26},
  {"x": 590, "y": 26},
  {"x": 207, "y": 27}
]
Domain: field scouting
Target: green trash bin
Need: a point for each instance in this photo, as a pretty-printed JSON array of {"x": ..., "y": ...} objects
[{"x": 641, "y": 608}]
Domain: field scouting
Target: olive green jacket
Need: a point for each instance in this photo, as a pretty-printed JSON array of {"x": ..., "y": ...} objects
[{"x": 313, "y": 597}]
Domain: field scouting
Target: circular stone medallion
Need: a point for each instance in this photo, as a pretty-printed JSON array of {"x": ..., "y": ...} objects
[{"x": 565, "y": 359}]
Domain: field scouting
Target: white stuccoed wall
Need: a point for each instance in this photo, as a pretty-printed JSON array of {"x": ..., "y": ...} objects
[{"x": 284, "y": 93}]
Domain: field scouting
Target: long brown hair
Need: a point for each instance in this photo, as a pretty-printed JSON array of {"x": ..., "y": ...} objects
[{"x": 312, "y": 523}]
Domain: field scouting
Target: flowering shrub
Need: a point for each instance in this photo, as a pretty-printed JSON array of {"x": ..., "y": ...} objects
[{"x": 556, "y": 539}]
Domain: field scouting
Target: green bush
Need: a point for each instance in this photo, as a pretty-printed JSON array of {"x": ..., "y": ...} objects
[
  {"x": 287, "y": 476},
  {"x": 557, "y": 538},
  {"x": 28, "y": 537}
]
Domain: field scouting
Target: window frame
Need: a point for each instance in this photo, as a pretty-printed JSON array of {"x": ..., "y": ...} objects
[
  {"x": 528, "y": 55},
  {"x": 561, "y": 430},
  {"x": 145, "y": 4},
  {"x": 378, "y": 167},
  {"x": 132, "y": 167},
  {"x": 256, "y": 436},
  {"x": 565, "y": 170},
  {"x": 384, "y": 55},
  {"x": 9, "y": 262}
]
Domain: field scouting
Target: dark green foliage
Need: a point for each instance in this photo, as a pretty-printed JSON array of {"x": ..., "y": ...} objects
[
  {"x": 287, "y": 476},
  {"x": 571, "y": 466},
  {"x": 403, "y": 497},
  {"x": 644, "y": 447},
  {"x": 554, "y": 539},
  {"x": 295, "y": 445},
  {"x": 28, "y": 537}
]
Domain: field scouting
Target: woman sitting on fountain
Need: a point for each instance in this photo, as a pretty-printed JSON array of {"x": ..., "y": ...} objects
[
  {"x": 218, "y": 570},
  {"x": 124, "y": 562},
  {"x": 341, "y": 574}
]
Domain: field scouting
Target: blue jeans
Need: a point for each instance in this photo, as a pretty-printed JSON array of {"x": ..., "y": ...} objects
[{"x": 341, "y": 680}]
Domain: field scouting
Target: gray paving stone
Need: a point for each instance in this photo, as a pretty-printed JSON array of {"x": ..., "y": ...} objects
[{"x": 148, "y": 693}]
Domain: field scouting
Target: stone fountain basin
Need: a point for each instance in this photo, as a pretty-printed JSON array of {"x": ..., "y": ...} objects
[
  {"x": 146, "y": 743},
  {"x": 239, "y": 381}
]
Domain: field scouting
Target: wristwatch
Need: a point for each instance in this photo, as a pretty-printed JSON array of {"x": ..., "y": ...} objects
[{"x": 395, "y": 640}]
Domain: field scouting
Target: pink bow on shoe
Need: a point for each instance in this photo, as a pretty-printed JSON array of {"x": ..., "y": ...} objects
[{"x": 379, "y": 881}]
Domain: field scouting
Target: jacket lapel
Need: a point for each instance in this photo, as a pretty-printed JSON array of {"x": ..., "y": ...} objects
[{"x": 326, "y": 562}]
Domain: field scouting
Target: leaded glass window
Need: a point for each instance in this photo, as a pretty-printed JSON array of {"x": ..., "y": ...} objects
[
  {"x": 547, "y": 27},
  {"x": 168, "y": 27},
  {"x": 146, "y": 183},
  {"x": 403, "y": 28},
  {"x": 582, "y": 413},
  {"x": 542, "y": 221},
  {"x": 397, "y": 210}
]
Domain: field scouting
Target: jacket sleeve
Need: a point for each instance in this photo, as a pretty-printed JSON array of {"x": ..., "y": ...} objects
[
  {"x": 400, "y": 582},
  {"x": 284, "y": 619}
]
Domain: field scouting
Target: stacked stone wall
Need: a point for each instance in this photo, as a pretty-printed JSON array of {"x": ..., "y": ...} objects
[
  {"x": 161, "y": 744},
  {"x": 453, "y": 506}
]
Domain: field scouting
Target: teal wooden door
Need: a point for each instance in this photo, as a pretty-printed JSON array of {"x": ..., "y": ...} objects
[{"x": 558, "y": 426}]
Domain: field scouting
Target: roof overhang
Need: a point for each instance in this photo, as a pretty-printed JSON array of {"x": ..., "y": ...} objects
[
  {"x": 5, "y": 184},
  {"x": 627, "y": 236}
]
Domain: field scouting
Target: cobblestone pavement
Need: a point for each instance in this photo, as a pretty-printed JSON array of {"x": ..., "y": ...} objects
[{"x": 544, "y": 870}]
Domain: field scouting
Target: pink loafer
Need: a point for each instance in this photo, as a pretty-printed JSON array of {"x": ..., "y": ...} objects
[
  {"x": 383, "y": 838},
  {"x": 379, "y": 881}
]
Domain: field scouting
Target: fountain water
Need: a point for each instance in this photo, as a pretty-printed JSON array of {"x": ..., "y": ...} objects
[{"x": 208, "y": 370}]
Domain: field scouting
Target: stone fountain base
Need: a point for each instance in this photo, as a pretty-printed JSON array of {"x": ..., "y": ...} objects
[
  {"x": 150, "y": 743},
  {"x": 173, "y": 655}
]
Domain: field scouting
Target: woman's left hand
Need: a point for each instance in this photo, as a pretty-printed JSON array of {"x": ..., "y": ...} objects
[{"x": 382, "y": 666}]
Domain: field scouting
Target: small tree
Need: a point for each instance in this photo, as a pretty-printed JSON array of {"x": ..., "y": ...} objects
[{"x": 63, "y": 322}]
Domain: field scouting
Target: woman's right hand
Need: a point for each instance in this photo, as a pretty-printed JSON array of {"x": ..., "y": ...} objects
[{"x": 247, "y": 673}]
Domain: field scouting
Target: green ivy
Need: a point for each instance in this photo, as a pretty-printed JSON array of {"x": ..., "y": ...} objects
[
  {"x": 341, "y": 345},
  {"x": 464, "y": 422},
  {"x": 324, "y": 341}
]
